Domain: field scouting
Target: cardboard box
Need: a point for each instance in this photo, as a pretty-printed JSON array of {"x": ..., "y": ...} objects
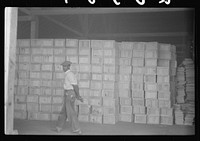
[
  {"x": 71, "y": 43},
  {"x": 138, "y": 62},
  {"x": 163, "y": 71},
  {"x": 56, "y": 108},
  {"x": 83, "y": 118},
  {"x": 23, "y": 66},
  {"x": 126, "y": 93},
  {"x": 140, "y": 118},
  {"x": 97, "y": 60},
  {"x": 72, "y": 58},
  {"x": 164, "y": 103},
  {"x": 153, "y": 103},
  {"x": 71, "y": 51},
  {"x": 163, "y": 86},
  {"x": 150, "y": 86},
  {"x": 84, "y": 59},
  {"x": 24, "y": 59},
  {"x": 109, "y": 93},
  {"x": 151, "y": 119},
  {"x": 47, "y": 51},
  {"x": 84, "y": 92},
  {"x": 95, "y": 93},
  {"x": 153, "y": 111},
  {"x": 20, "y": 114},
  {"x": 137, "y": 78},
  {"x": 164, "y": 95},
  {"x": 150, "y": 70},
  {"x": 139, "y": 46},
  {"x": 138, "y": 70},
  {"x": 20, "y": 106},
  {"x": 23, "y": 42},
  {"x": 46, "y": 67},
  {"x": 57, "y": 99},
  {"x": 137, "y": 86},
  {"x": 110, "y": 119},
  {"x": 110, "y": 110},
  {"x": 138, "y": 102},
  {"x": 126, "y": 117},
  {"x": 110, "y": 101},
  {"x": 95, "y": 101},
  {"x": 138, "y": 53},
  {"x": 125, "y": 61},
  {"x": 152, "y": 46},
  {"x": 46, "y": 75},
  {"x": 166, "y": 111},
  {"x": 84, "y": 109},
  {"x": 139, "y": 110},
  {"x": 84, "y": 84},
  {"x": 126, "y": 109},
  {"x": 151, "y": 54},
  {"x": 150, "y": 78},
  {"x": 32, "y": 98},
  {"x": 150, "y": 62},
  {"x": 47, "y": 83},
  {"x": 125, "y": 69},
  {"x": 45, "y": 99},
  {"x": 56, "y": 59},
  {"x": 59, "y": 42},
  {"x": 137, "y": 94},
  {"x": 96, "y": 118},
  {"x": 34, "y": 91},
  {"x": 151, "y": 94},
  {"x": 35, "y": 67},
  {"x": 125, "y": 101},
  {"x": 97, "y": 110},
  {"x": 109, "y": 77},
  {"x": 96, "y": 85},
  {"x": 166, "y": 120},
  {"x": 45, "y": 108},
  {"x": 20, "y": 98}
]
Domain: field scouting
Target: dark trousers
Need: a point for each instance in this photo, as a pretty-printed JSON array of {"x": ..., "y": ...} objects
[{"x": 68, "y": 111}]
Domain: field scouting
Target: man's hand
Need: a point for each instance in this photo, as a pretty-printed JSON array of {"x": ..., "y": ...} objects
[{"x": 80, "y": 98}]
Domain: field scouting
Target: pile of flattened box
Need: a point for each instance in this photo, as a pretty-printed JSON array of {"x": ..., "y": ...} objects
[{"x": 119, "y": 81}]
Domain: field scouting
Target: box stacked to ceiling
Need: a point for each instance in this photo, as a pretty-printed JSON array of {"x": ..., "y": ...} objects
[
  {"x": 185, "y": 103},
  {"x": 125, "y": 69}
]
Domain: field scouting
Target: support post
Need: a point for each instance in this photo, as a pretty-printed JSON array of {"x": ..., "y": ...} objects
[{"x": 34, "y": 27}]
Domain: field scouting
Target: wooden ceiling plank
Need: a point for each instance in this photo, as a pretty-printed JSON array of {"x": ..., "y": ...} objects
[{"x": 25, "y": 18}]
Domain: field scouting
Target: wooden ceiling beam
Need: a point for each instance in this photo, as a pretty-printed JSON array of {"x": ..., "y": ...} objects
[
  {"x": 71, "y": 11},
  {"x": 25, "y": 18}
]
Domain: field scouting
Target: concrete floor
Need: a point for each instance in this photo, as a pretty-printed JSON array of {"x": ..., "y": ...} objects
[{"x": 31, "y": 127}]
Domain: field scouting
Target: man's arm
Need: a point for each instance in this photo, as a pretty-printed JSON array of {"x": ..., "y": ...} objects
[{"x": 76, "y": 89}]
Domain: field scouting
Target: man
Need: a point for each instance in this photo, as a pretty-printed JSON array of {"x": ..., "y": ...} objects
[{"x": 71, "y": 93}]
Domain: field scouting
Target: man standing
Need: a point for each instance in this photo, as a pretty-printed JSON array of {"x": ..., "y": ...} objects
[{"x": 71, "y": 93}]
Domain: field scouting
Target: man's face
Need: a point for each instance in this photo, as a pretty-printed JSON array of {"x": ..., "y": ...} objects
[{"x": 65, "y": 68}]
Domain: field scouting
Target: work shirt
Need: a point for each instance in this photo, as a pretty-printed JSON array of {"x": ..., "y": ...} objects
[{"x": 70, "y": 79}]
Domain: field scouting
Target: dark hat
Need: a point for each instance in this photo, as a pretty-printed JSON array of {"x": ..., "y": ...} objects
[{"x": 66, "y": 63}]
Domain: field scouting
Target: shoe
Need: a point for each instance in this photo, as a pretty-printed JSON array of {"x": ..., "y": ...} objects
[{"x": 78, "y": 131}]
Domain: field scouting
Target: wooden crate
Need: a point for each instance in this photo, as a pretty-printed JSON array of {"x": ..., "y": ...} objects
[
  {"x": 109, "y": 77},
  {"x": 24, "y": 50},
  {"x": 59, "y": 42},
  {"x": 110, "y": 85},
  {"x": 24, "y": 59},
  {"x": 97, "y": 52},
  {"x": 166, "y": 111},
  {"x": 57, "y": 99},
  {"x": 20, "y": 98},
  {"x": 163, "y": 78},
  {"x": 152, "y": 46},
  {"x": 164, "y": 104},
  {"x": 137, "y": 86},
  {"x": 96, "y": 85},
  {"x": 34, "y": 91},
  {"x": 110, "y": 61},
  {"x": 42, "y": 42},
  {"x": 163, "y": 86},
  {"x": 84, "y": 76},
  {"x": 97, "y": 76},
  {"x": 34, "y": 75},
  {"x": 56, "y": 108},
  {"x": 124, "y": 85},
  {"x": 23, "y": 82},
  {"x": 35, "y": 67},
  {"x": 150, "y": 70},
  {"x": 46, "y": 75},
  {"x": 47, "y": 51},
  {"x": 163, "y": 63},
  {"x": 97, "y": 44},
  {"x": 150, "y": 87},
  {"x": 32, "y": 107},
  {"x": 23, "y": 74},
  {"x": 125, "y": 53},
  {"x": 165, "y": 47},
  {"x": 139, "y": 46},
  {"x": 97, "y": 60},
  {"x": 110, "y": 52},
  {"x": 58, "y": 75},
  {"x": 84, "y": 59},
  {"x": 47, "y": 67},
  {"x": 36, "y": 51},
  {"x": 110, "y": 110},
  {"x": 48, "y": 83},
  {"x": 165, "y": 55},
  {"x": 109, "y": 93},
  {"x": 165, "y": 95},
  {"x": 125, "y": 61},
  {"x": 110, "y": 69},
  {"x": 23, "y": 66},
  {"x": 72, "y": 58},
  {"x": 126, "y": 46},
  {"x": 163, "y": 71},
  {"x": 125, "y": 69}
]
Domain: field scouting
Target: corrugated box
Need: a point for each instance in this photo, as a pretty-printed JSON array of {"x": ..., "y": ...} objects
[
  {"x": 110, "y": 52},
  {"x": 59, "y": 42},
  {"x": 166, "y": 111},
  {"x": 138, "y": 53},
  {"x": 97, "y": 60},
  {"x": 109, "y": 85},
  {"x": 166, "y": 120},
  {"x": 163, "y": 86},
  {"x": 34, "y": 91},
  {"x": 23, "y": 42},
  {"x": 84, "y": 109},
  {"x": 20, "y": 114},
  {"x": 57, "y": 99},
  {"x": 163, "y": 78},
  {"x": 137, "y": 78},
  {"x": 165, "y": 95},
  {"x": 151, "y": 62},
  {"x": 23, "y": 74},
  {"x": 94, "y": 93},
  {"x": 110, "y": 101},
  {"x": 59, "y": 51},
  {"x": 35, "y": 67},
  {"x": 46, "y": 83},
  {"x": 73, "y": 59},
  {"x": 125, "y": 101},
  {"x": 58, "y": 91},
  {"x": 137, "y": 86},
  {"x": 46, "y": 75},
  {"x": 96, "y": 101},
  {"x": 46, "y": 67},
  {"x": 139, "y": 46},
  {"x": 36, "y": 51},
  {"x": 110, "y": 119},
  {"x": 97, "y": 76},
  {"x": 150, "y": 78},
  {"x": 96, "y": 44},
  {"x": 20, "y": 106},
  {"x": 150, "y": 86},
  {"x": 164, "y": 103},
  {"x": 51, "y": 59},
  {"x": 125, "y": 61},
  {"x": 74, "y": 68},
  {"x": 125, "y": 53},
  {"x": 23, "y": 66},
  {"x": 84, "y": 92},
  {"x": 23, "y": 82},
  {"x": 96, "y": 68},
  {"x": 126, "y": 46},
  {"x": 96, "y": 119},
  {"x": 126, "y": 93},
  {"x": 34, "y": 75},
  {"x": 24, "y": 50},
  {"x": 137, "y": 101},
  {"x": 54, "y": 117},
  {"x": 96, "y": 85},
  {"x": 84, "y": 76},
  {"x": 47, "y": 51},
  {"x": 126, "y": 109},
  {"x": 110, "y": 110},
  {"x": 45, "y": 99},
  {"x": 109, "y": 93},
  {"x": 150, "y": 70},
  {"x": 151, "y": 94},
  {"x": 152, "y": 45},
  {"x": 45, "y": 108},
  {"x": 85, "y": 101},
  {"x": 163, "y": 71},
  {"x": 137, "y": 94},
  {"x": 140, "y": 118},
  {"x": 84, "y": 45},
  {"x": 97, "y": 110},
  {"x": 124, "y": 77},
  {"x": 59, "y": 59},
  {"x": 84, "y": 84},
  {"x": 126, "y": 117},
  {"x": 20, "y": 98},
  {"x": 24, "y": 58},
  {"x": 153, "y": 111},
  {"x": 58, "y": 83},
  {"x": 165, "y": 47},
  {"x": 71, "y": 43},
  {"x": 151, "y": 119},
  {"x": 58, "y": 75},
  {"x": 151, "y": 54},
  {"x": 109, "y": 77},
  {"x": 107, "y": 44},
  {"x": 22, "y": 90},
  {"x": 110, "y": 69},
  {"x": 163, "y": 63},
  {"x": 150, "y": 102},
  {"x": 84, "y": 59},
  {"x": 165, "y": 55},
  {"x": 83, "y": 118},
  {"x": 125, "y": 69},
  {"x": 110, "y": 61},
  {"x": 97, "y": 52},
  {"x": 138, "y": 70},
  {"x": 138, "y": 62},
  {"x": 32, "y": 98},
  {"x": 56, "y": 108},
  {"x": 84, "y": 68},
  {"x": 42, "y": 42},
  {"x": 124, "y": 85},
  {"x": 139, "y": 110}
]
